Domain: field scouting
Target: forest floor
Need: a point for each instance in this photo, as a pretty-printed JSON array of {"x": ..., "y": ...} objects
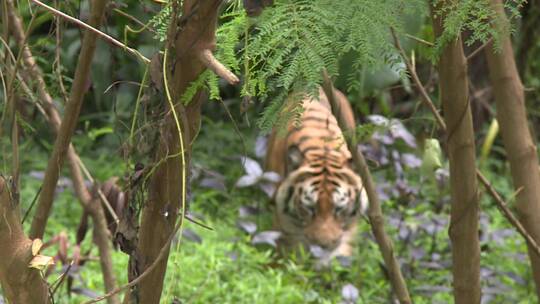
[{"x": 236, "y": 262}]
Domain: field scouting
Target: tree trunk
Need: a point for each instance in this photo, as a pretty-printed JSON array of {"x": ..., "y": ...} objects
[
  {"x": 463, "y": 229},
  {"x": 518, "y": 142},
  {"x": 195, "y": 37},
  {"x": 20, "y": 283},
  {"x": 69, "y": 122}
]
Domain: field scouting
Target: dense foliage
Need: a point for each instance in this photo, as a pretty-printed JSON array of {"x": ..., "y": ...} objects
[{"x": 282, "y": 50}]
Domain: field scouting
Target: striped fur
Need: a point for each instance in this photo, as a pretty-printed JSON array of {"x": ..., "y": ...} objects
[{"x": 320, "y": 196}]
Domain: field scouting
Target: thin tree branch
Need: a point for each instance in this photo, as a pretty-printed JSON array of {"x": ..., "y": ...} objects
[
  {"x": 69, "y": 122},
  {"x": 34, "y": 200},
  {"x": 416, "y": 80},
  {"x": 103, "y": 242},
  {"x": 208, "y": 59},
  {"x": 60, "y": 279},
  {"x": 375, "y": 215},
  {"x": 100, "y": 193},
  {"x": 95, "y": 31},
  {"x": 479, "y": 49},
  {"x": 419, "y": 40},
  {"x": 509, "y": 215},
  {"x": 15, "y": 169}
]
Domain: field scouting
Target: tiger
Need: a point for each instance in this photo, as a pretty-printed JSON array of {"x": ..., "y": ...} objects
[{"x": 320, "y": 197}]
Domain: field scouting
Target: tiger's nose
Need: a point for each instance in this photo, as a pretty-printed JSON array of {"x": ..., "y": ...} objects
[
  {"x": 324, "y": 235},
  {"x": 325, "y": 243}
]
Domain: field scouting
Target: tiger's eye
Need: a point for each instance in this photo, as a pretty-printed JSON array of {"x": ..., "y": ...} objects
[
  {"x": 306, "y": 211},
  {"x": 341, "y": 211}
]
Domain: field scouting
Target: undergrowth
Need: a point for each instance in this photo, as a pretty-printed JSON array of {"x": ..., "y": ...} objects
[{"x": 223, "y": 266}]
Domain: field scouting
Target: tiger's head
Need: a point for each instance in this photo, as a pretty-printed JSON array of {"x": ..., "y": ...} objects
[{"x": 319, "y": 201}]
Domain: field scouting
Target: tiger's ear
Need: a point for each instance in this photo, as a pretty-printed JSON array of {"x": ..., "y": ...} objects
[{"x": 294, "y": 158}]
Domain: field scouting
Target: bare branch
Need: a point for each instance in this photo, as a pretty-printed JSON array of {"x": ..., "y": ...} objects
[
  {"x": 425, "y": 97},
  {"x": 208, "y": 59},
  {"x": 103, "y": 242},
  {"x": 509, "y": 215},
  {"x": 479, "y": 49},
  {"x": 419, "y": 40},
  {"x": 102, "y": 196}
]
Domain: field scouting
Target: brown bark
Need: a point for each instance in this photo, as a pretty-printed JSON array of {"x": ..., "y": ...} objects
[
  {"x": 27, "y": 286},
  {"x": 376, "y": 218},
  {"x": 32, "y": 74},
  {"x": 71, "y": 117},
  {"x": 196, "y": 36},
  {"x": 463, "y": 229},
  {"x": 518, "y": 142}
]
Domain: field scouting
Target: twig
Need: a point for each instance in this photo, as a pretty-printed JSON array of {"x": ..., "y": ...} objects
[
  {"x": 102, "y": 240},
  {"x": 492, "y": 192},
  {"x": 94, "y": 30},
  {"x": 196, "y": 222},
  {"x": 31, "y": 205},
  {"x": 508, "y": 213},
  {"x": 479, "y": 49},
  {"x": 61, "y": 279},
  {"x": 101, "y": 195},
  {"x": 419, "y": 85},
  {"x": 208, "y": 59},
  {"x": 419, "y": 40},
  {"x": 57, "y": 60},
  {"x": 130, "y": 17}
]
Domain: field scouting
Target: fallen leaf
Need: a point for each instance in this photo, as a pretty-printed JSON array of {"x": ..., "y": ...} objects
[
  {"x": 268, "y": 188},
  {"x": 271, "y": 177},
  {"x": 251, "y": 166},
  {"x": 318, "y": 252},
  {"x": 248, "y": 227},
  {"x": 247, "y": 180},
  {"x": 266, "y": 237},
  {"x": 246, "y": 211}
]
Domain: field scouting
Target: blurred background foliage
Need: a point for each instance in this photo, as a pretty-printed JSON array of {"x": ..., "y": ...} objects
[{"x": 236, "y": 263}]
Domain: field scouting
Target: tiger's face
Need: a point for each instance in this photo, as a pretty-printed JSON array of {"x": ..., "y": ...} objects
[{"x": 316, "y": 206}]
